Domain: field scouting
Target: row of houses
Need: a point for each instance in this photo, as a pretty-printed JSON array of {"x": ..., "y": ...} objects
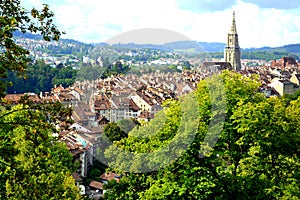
[
  {"x": 279, "y": 79},
  {"x": 96, "y": 103},
  {"x": 130, "y": 96}
]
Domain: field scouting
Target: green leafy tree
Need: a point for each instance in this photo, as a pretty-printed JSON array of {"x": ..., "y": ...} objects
[
  {"x": 34, "y": 164},
  {"x": 89, "y": 72},
  {"x": 255, "y": 156},
  {"x": 127, "y": 125},
  {"x": 65, "y": 76},
  {"x": 13, "y": 17},
  {"x": 270, "y": 131},
  {"x": 41, "y": 78},
  {"x": 114, "y": 132}
]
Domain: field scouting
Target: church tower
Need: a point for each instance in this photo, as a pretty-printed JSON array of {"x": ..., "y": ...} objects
[{"x": 232, "y": 53}]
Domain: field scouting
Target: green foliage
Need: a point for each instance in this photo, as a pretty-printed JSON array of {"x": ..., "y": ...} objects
[
  {"x": 34, "y": 165},
  {"x": 267, "y": 55},
  {"x": 127, "y": 125},
  {"x": 144, "y": 149},
  {"x": 65, "y": 76},
  {"x": 94, "y": 174},
  {"x": 12, "y": 18},
  {"x": 114, "y": 132},
  {"x": 270, "y": 131},
  {"x": 89, "y": 72},
  {"x": 252, "y": 154},
  {"x": 41, "y": 78},
  {"x": 114, "y": 69},
  {"x": 289, "y": 97}
]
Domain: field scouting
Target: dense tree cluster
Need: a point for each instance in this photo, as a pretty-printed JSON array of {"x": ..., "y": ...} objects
[
  {"x": 114, "y": 69},
  {"x": 250, "y": 151},
  {"x": 33, "y": 164},
  {"x": 113, "y": 132},
  {"x": 14, "y": 17},
  {"x": 40, "y": 77}
]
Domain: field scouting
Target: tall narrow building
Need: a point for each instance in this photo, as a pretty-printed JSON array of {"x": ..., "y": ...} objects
[{"x": 232, "y": 53}]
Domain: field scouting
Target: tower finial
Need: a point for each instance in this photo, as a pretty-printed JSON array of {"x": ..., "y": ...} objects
[{"x": 233, "y": 27}]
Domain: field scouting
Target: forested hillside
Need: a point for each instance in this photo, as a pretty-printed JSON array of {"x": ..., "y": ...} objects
[
  {"x": 214, "y": 49},
  {"x": 40, "y": 77}
]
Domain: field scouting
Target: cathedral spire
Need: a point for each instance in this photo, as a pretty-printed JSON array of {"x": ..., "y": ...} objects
[
  {"x": 232, "y": 52},
  {"x": 233, "y": 26}
]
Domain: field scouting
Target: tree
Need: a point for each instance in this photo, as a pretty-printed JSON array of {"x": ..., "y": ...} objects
[
  {"x": 255, "y": 156},
  {"x": 41, "y": 77},
  {"x": 65, "y": 76},
  {"x": 34, "y": 164},
  {"x": 114, "y": 132},
  {"x": 270, "y": 131},
  {"x": 127, "y": 125},
  {"x": 89, "y": 72},
  {"x": 13, "y": 18}
]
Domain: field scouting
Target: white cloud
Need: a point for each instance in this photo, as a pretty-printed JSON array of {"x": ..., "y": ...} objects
[
  {"x": 99, "y": 20},
  {"x": 266, "y": 27}
]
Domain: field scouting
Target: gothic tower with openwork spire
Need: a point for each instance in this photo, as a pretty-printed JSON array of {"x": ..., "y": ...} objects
[{"x": 232, "y": 53}]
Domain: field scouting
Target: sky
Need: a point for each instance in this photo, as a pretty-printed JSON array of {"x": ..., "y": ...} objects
[{"x": 259, "y": 22}]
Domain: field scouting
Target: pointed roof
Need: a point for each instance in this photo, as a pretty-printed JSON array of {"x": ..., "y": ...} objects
[{"x": 233, "y": 26}]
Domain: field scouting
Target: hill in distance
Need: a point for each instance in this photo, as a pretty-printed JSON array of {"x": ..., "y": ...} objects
[{"x": 179, "y": 46}]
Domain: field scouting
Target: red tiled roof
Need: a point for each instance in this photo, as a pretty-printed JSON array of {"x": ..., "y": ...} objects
[
  {"x": 96, "y": 184},
  {"x": 15, "y": 98},
  {"x": 101, "y": 104},
  {"x": 78, "y": 90}
]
